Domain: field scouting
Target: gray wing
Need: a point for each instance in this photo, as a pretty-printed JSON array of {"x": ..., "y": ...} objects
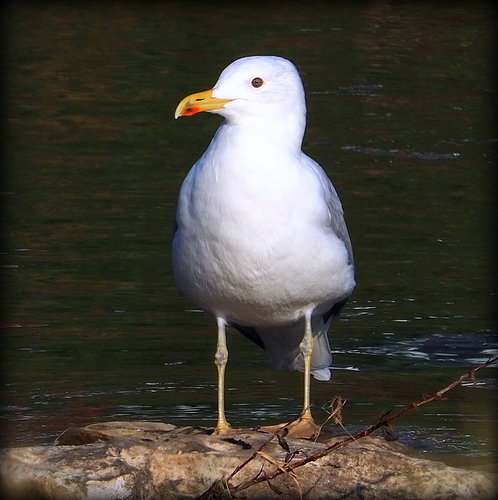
[{"x": 337, "y": 222}]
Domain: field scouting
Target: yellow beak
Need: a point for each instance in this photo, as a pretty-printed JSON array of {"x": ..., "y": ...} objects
[{"x": 202, "y": 101}]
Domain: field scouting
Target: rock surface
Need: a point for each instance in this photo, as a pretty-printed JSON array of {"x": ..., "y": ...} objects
[{"x": 144, "y": 460}]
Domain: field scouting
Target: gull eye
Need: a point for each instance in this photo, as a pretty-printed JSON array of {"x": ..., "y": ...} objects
[{"x": 257, "y": 82}]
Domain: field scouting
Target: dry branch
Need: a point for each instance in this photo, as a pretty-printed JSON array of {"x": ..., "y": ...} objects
[{"x": 384, "y": 421}]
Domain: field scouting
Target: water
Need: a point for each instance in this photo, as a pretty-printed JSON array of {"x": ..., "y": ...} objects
[{"x": 399, "y": 114}]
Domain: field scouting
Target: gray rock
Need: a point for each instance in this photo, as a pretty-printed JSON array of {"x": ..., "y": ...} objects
[{"x": 143, "y": 460}]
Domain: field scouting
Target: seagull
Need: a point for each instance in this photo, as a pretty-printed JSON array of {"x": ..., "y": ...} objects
[{"x": 260, "y": 240}]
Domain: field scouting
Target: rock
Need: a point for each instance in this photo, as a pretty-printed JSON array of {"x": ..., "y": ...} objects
[{"x": 143, "y": 460}]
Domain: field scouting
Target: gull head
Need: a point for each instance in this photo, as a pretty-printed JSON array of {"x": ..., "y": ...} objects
[{"x": 261, "y": 87}]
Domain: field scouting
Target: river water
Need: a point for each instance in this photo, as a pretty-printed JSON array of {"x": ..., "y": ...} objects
[{"x": 400, "y": 105}]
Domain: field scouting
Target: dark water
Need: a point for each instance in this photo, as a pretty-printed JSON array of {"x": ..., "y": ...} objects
[{"x": 400, "y": 102}]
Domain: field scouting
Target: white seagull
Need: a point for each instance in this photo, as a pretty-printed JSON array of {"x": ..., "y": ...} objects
[{"x": 260, "y": 239}]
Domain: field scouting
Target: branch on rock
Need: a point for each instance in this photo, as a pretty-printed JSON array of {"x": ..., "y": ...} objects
[{"x": 383, "y": 422}]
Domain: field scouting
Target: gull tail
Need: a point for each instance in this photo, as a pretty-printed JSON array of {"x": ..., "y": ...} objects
[
  {"x": 321, "y": 358},
  {"x": 282, "y": 345}
]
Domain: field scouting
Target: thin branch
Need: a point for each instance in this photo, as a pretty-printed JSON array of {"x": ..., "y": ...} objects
[
  {"x": 336, "y": 405},
  {"x": 383, "y": 421},
  {"x": 284, "y": 468},
  {"x": 260, "y": 449}
]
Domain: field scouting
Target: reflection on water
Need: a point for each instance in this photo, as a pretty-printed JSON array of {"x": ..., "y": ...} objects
[
  {"x": 459, "y": 350},
  {"x": 95, "y": 328}
]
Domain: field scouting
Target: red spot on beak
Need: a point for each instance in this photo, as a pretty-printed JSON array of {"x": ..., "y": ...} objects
[{"x": 191, "y": 110}]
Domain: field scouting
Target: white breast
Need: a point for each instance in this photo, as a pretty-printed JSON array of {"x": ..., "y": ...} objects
[{"x": 254, "y": 243}]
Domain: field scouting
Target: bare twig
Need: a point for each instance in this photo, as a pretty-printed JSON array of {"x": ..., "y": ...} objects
[
  {"x": 383, "y": 421},
  {"x": 284, "y": 468},
  {"x": 260, "y": 449},
  {"x": 336, "y": 405}
]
